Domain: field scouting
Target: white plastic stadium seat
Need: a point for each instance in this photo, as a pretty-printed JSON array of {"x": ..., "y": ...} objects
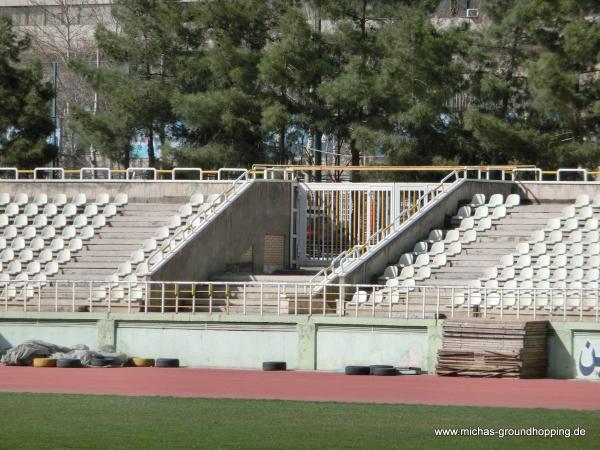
[
  {"x": 120, "y": 199},
  {"x": 422, "y": 260},
  {"x": 124, "y": 269},
  {"x": 4, "y": 198},
  {"x": 99, "y": 221},
  {"x": 582, "y": 200},
  {"x": 48, "y": 232},
  {"x": 477, "y": 200},
  {"x": 63, "y": 256},
  {"x": 7, "y": 255},
  {"x": 568, "y": 212},
  {"x": 80, "y": 221},
  {"x": 37, "y": 244},
  {"x": 406, "y": 259},
  {"x": 406, "y": 273},
  {"x": 21, "y": 221},
  {"x": 69, "y": 210},
  {"x": 174, "y": 222},
  {"x": 513, "y": 200},
  {"x": 466, "y": 224},
  {"x": 162, "y": 233},
  {"x": 481, "y": 212},
  {"x": 57, "y": 244},
  {"x": 454, "y": 249},
  {"x": 137, "y": 256},
  {"x": 40, "y": 199},
  {"x": 499, "y": 213},
  {"x": 28, "y": 232},
  {"x": 10, "y": 232},
  {"x": 3, "y": 220},
  {"x": 51, "y": 268},
  {"x": 11, "y": 210},
  {"x": 69, "y": 232},
  {"x": 423, "y": 273},
  {"x": 197, "y": 200},
  {"x": 419, "y": 248},
  {"x": 17, "y": 244},
  {"x": 185, "y": 210},
  {"x": 102, "y": 199},
  {"x": 434, "y": 236},
  {"x": 30, "y": 210},
  {"x": 469, "y": 237},
  {"x": 452, "y": 236},
  {"x": 25, "y": 255},
  {"x": 45, "y": 256},
  {"x": 109, "y": 210},
  {"x": 91, "y": 210},
  {"x": 463, "y": 212},
  {"x": 59, "y": 221},
  {"x": 21, "y": 199},
  {"x": 484, "y": 224},
  {"x": 86, "y": 233},
  {"x": 495, "y": 201},
  {"x": 79, "y": 199},
  {"x": 50, "y": 210},
  {"x": 389, "y": 273},
  {"x": 75, "y": 245},
  {"x": 141, "y": 270},
  {"x": 149, "y": 245},
  {"x": 60, "y": 200},
  {"x": 40, "y": 221},
  {"x": 438, "y": 261},
  {"x": 437, "y": 248}
]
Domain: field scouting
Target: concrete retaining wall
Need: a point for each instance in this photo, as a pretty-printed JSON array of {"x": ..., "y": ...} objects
[
  {"x": 263, "y": 209},
  {"x": 306, "y": 343},
  {"x": 137, "y": 191}
]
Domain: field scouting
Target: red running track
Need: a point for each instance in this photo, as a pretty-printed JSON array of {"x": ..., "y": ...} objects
[{"x": 308, "y": 386}]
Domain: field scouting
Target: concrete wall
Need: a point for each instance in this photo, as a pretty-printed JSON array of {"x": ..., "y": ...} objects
[
  {"x": 434, "y": 216},
  {"x": 306, "y": 343},
  {"x": 202, "y": 340},
  {"x": 263, "y": 209},
  {"x": 557, "y": 191},
  {"x": 137, "y": 191}
]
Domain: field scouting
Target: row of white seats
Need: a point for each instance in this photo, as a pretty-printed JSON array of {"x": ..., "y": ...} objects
[
  {"x": 41, "y": 199},
  {"x": 482, "y": 209}
]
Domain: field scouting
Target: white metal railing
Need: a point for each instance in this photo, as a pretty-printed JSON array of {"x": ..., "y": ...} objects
[
  {"x": 195, "y": 223},
  {"x": 291, "y": 172},
  {"x": 280, "y": 298},
  {"x": 350, "y": 257}
]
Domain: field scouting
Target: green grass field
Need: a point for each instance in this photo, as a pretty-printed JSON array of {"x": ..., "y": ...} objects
[{"x": 51, "y": 421}]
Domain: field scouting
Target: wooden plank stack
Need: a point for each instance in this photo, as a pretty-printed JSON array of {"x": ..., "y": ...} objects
[{"x": 493, "y": 348}]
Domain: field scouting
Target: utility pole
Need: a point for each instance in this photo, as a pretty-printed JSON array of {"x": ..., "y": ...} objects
[
  {"x": 55, "y": 139},
  {"x": 318, "y": 136}
]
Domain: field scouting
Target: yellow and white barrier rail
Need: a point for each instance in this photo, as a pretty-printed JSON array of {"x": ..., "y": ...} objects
[
  {"x": 280, "y": 299},
  {"x": 289, "y": 172}
]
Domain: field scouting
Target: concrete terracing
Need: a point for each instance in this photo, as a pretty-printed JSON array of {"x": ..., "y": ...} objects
[
  {"x": 115, "y": 242},
  {"x": 490, "y": 245}
]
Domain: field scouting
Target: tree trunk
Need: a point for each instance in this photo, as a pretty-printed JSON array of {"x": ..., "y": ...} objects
[
  {"x": 281, "y": 147},
  {"x": 355, "y": 160},
  {"x": 318, "y": 146},
  {"x": 151, "y": 155}
]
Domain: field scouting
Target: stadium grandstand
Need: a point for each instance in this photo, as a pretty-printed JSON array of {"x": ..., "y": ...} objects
[{"x": 259, "y": 245}]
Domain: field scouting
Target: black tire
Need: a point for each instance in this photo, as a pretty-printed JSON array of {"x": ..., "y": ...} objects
[
  {"x": 102, "y": 362},
  {"x": 357, "y": 370},
  {"x": 379, "y": 366},
  {"x": 384, "y": 372},
  {"x": 272, "y": 366},
  {"x": 68, "y": 363},
  {"x": 166, "y": 362}
]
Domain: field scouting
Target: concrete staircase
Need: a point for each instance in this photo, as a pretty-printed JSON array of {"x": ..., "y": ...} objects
[
  {"x": 490, "y": 245},
  {"x": 113, "y": 244}
]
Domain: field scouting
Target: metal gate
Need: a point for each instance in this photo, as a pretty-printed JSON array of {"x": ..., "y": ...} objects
[{"x": 331, "y": 218}]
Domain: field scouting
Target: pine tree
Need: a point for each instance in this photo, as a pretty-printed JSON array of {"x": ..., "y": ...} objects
[
  {"x": 534, "y": 84},
  {"x": 138, "y": 86},
  {"x": 25, "y": 122},
  {"x": 289, "y": 70},
  {"x": 220, "y": 100}
]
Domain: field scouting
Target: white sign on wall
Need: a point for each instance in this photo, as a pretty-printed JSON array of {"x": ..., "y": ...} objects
[{"x": 586, "y": 351}]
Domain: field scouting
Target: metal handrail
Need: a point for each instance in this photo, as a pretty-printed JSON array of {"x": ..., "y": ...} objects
[
  {"x": 352, "y": 253},
  {"x": 280, "y": 298}
]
